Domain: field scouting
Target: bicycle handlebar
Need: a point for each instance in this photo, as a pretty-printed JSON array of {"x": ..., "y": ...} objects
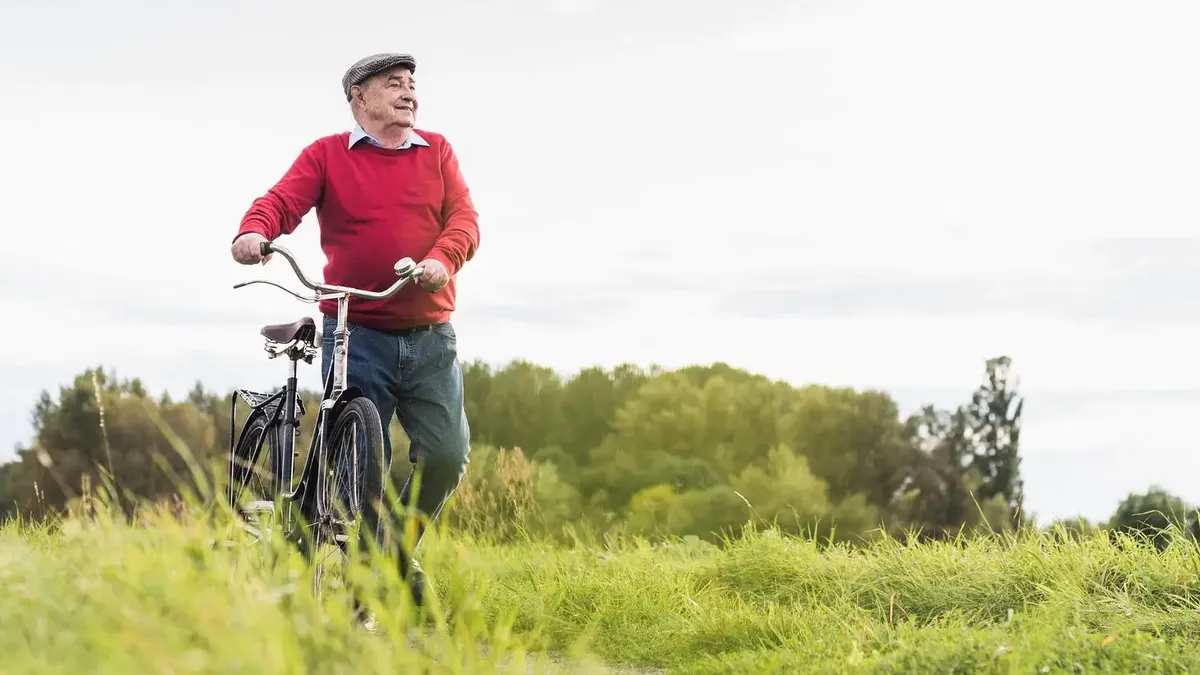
[{"x": 405, "y": 268}]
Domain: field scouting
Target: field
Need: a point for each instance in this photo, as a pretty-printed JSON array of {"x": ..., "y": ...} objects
[{"x": 175, "y": 593}]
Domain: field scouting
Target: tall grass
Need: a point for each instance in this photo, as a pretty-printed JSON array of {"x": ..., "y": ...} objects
[
  {"x": 181, "y": 590},
  {"x": 184, "y": 588}
]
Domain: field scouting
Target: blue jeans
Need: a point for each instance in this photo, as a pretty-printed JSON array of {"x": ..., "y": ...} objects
[{"x": 416, "y": 376}]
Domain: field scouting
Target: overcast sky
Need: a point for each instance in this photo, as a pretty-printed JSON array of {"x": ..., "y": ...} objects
[{"x": 873, "y": 194}]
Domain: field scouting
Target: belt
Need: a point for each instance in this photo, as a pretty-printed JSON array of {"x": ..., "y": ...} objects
[
  {"x": 400, "y": 332},
  {"x": 414, "y": 329}
]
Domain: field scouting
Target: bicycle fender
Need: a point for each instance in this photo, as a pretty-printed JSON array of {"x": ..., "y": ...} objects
[
  {"x": 241, "y": 434},
  {"x": 340, "y": 402}
]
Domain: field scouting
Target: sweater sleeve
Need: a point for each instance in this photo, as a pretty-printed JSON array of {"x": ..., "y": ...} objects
[
  {"x": 460, "y": 222},
  {"x": 280, "y": 210}
]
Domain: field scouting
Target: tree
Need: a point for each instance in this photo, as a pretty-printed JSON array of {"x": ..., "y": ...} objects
[
  {"x": 1153, "y": 514},
  {"x": 590, "y": 401},
  {"x": 522, "y": 408},
  {"x": 99, "y": 424},
  {"x": 934, "y": 496},
  {"x": 995, "y": 428},
  {"x": 854, "y": 441},
  {"x": 695, "y": 451}
]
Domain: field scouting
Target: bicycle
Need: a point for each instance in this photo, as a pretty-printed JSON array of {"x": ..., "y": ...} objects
[{"x": 341, "y": 406}]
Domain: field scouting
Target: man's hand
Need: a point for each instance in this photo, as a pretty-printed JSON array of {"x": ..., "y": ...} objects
[
  {"x": 434, "y": 275},
  {"x": 246, "y": 249}
]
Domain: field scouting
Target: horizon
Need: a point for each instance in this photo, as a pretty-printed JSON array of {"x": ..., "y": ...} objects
[{"x": 853, "y": 194}]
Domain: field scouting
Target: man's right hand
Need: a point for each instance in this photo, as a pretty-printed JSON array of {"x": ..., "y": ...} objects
[{"x": 246, "y": 249}]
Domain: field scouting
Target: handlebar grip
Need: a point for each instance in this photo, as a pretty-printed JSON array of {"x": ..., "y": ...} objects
[{"x": 264, "y": 249}]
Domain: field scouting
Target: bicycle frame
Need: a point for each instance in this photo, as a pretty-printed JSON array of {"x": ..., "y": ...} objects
[
  {"x": 335, "y": 395},
  {"x": 283, "y": 448}
]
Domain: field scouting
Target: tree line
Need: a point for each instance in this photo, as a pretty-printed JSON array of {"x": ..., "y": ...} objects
[{"x": 698, "y": 451}]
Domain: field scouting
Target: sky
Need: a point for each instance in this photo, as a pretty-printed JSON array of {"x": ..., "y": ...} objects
[{"x": 871, "y": 194}]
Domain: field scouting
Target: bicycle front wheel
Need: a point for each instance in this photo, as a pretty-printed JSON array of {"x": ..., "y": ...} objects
[{"x": 350, "y": 496}]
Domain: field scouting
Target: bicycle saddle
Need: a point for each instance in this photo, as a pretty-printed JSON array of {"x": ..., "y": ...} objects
[{"x": 303, "y": 329}]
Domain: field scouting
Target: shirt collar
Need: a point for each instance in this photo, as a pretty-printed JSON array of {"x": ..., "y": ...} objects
[{"x": 359, "y": 135}]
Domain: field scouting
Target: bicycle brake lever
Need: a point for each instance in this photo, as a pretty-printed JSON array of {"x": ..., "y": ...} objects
[{"x": 272, "y": 283}]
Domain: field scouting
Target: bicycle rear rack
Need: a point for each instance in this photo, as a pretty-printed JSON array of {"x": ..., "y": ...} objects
[{"x": 267, "y": 403}]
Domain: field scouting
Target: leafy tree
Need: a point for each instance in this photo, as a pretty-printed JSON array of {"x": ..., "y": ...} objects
[
  {"x": 590, "y": 401},
  {"x": 99, "y": 429},
  {"x": 698, "y": 451},
  {"x": 1154, "y": 514},
  {"x": 934, "y": 497},
  {"x": 523, "y": 407},
  {"x": 853, "y": 440},
  {"x": 785, "y": 492},
  {"x": 709, "y": 514},
  {"x": 995, "y": 414}
]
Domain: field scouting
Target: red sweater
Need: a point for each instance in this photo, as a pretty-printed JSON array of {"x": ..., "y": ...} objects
[{"x": 375, "y": 206}]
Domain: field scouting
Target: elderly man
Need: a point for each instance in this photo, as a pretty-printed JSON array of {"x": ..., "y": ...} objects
[{"x": 382, "y": 192}]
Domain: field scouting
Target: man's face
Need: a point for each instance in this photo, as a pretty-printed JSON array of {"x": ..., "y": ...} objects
[{"x": 390, "y": 97}]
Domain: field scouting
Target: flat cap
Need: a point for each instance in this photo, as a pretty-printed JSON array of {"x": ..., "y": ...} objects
[{"x": 375, "y": 63}]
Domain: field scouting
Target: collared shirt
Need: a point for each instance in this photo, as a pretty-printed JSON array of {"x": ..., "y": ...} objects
[{"x": 359, "y": 135}]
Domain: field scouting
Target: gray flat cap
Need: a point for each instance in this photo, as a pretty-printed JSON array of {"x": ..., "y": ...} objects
[{"x": 375, "y": 63}]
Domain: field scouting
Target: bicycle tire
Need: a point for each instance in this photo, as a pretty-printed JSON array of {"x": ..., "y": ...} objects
[
  {"x": 257, "y": 435},
  {"x": 367, "y": 484}
]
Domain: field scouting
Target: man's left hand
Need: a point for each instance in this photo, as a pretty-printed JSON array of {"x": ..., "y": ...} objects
[{"x": 434, "y": 276}]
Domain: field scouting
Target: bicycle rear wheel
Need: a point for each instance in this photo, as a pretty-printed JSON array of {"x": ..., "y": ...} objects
[
  {"x": 350, "y": 480},
  {"x": 253, "y": 491}
]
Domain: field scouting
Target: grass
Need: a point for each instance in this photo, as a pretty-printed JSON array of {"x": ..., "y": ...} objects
[{"x": 174, "y": 593}]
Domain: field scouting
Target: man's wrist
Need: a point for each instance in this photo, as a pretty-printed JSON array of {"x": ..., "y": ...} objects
[
  {"x": 243, "y": 233},
  {"x": 440, "y": 257}
]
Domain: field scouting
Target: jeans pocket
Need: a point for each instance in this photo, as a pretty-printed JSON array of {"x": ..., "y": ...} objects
[{"x": 446, "y": 331}]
